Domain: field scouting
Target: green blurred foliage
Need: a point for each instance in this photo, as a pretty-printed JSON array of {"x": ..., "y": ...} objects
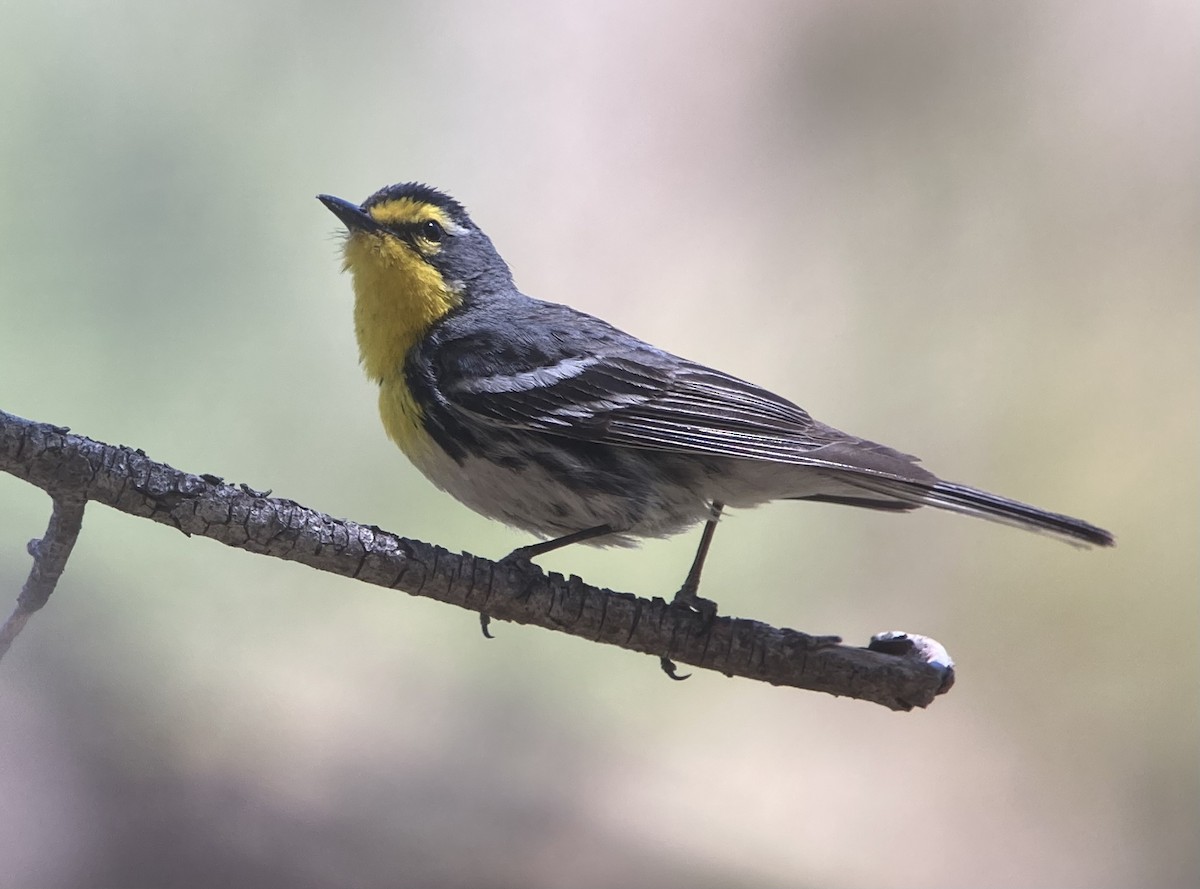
[{"x": 966, "y": 229}]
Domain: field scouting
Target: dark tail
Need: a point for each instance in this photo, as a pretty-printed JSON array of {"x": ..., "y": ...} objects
[{"x": 972, "y": 501}]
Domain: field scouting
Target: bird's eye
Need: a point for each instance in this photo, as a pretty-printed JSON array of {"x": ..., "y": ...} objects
[{"x": 432, "y": 231}]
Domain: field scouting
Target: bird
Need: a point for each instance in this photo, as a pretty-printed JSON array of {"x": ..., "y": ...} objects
[{"x": 557, "y": 423}]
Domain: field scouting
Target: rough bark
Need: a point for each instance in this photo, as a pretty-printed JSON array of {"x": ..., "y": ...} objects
[{"x": 897, "y": 670}]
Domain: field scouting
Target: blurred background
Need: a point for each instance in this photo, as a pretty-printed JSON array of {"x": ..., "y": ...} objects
[{"x": 966, "y": 229}]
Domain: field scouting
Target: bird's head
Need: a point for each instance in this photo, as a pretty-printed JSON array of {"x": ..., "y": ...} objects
[{"x": 415, "y": 255}]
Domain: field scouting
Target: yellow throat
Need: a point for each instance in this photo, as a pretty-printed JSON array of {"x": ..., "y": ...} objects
[{"x": 398, "y": 295}]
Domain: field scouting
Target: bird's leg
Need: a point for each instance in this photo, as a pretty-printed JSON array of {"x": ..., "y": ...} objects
[
  {"x": 525, "y": 553},
  {"x": 706, "y": 608},
  {"x": 687, "y": 593}
]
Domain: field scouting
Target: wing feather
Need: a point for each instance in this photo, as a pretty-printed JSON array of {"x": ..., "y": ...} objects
[{"x": 627, "y": 393}]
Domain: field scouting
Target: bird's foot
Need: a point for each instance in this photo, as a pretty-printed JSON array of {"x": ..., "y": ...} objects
[
  {"x": 522, "y": 557},
  {"x": 687, "y": 598}
]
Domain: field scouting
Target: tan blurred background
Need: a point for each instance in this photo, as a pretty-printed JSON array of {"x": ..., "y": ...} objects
[{"x": 966, "y": 229}]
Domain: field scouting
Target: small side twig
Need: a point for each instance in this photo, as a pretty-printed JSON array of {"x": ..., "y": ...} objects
[{"x": 50, "y": 555}]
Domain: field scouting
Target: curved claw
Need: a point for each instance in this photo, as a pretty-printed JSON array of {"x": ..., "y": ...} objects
[
  {"x": 668, "y": 667},
  {"x": 485, "y": 621}
]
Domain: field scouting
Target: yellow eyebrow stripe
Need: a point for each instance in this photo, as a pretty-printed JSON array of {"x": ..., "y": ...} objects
[{"x": 406, "y": 211}]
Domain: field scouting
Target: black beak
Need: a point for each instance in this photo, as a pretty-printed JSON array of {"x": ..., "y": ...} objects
[{"x": 354, "y": 216}]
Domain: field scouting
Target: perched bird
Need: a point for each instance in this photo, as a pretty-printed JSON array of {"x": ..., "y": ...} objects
[{"x": 555, "y": 422}]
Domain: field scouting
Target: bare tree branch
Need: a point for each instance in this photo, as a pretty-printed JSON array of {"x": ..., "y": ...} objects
[{"x": 898, "y": 671}]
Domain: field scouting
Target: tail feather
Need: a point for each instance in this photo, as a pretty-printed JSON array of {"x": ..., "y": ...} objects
[
  {"x": 972, "y": 501},
  {"x": 960, "y": 498}
]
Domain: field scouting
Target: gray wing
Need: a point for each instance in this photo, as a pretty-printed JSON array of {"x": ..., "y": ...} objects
[{"x": 575, "y": 376}]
